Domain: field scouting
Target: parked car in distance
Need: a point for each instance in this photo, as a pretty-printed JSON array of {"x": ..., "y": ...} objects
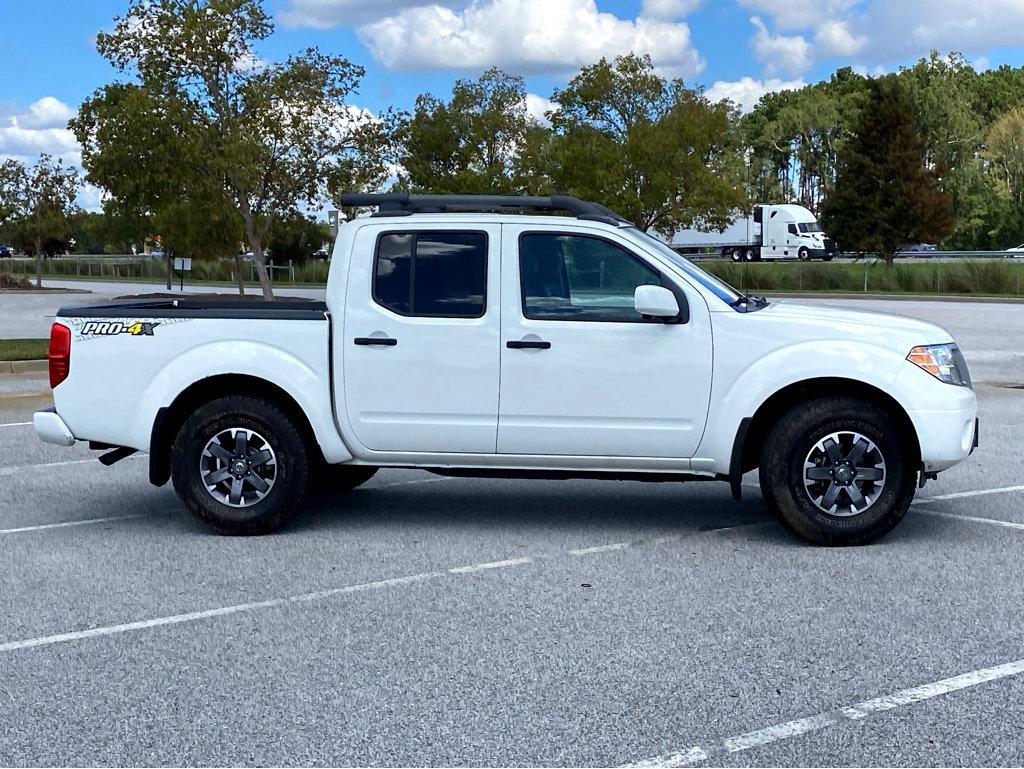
[
  {"x": 6, "y": 252},
  {"x": 918, "y": 248},
  {"x": 1016, "y": 251},
  {"x": 496, "y": 343}
]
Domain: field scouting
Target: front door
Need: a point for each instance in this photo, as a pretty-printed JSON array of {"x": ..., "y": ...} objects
[
  {"x": 420, "y": 338},
  {"x": 582, "y": 373}
]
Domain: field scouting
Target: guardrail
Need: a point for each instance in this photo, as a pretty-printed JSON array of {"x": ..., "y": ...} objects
[{"x": 145, "y": 268}]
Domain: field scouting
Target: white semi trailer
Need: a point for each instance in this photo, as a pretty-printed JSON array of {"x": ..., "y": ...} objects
[{"x": 773, "y": 232}]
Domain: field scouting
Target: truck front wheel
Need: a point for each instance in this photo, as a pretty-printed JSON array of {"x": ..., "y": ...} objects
[
  {"x": 836, "y": 472},
  {"x": 241, "y": 465}
]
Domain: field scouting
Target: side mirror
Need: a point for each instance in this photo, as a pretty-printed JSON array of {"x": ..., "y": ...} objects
[{"x": 655, "y": 302}]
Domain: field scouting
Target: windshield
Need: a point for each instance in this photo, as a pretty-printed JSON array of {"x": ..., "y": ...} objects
[
  {"x": 809, "y": 227},
  {"x": 719, "y": 287}
]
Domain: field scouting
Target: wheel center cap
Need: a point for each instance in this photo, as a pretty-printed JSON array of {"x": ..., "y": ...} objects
[
  {"x": 844, "y": 473},
  {"x": 240, "y": 467}
]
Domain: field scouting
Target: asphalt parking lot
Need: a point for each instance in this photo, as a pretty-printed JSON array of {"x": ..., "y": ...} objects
[{"x": 422, "y": 620}]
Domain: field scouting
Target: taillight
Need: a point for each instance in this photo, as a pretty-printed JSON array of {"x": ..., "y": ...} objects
[{"x": 60, "y": 353}]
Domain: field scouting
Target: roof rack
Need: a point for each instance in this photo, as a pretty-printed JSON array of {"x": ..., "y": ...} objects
[{"x": 402, "y": 204}]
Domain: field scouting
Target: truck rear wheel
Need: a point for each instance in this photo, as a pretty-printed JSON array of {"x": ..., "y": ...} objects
[
  {"x": 835, "y": 472},
  {"x": 241, "y": 465},
  {"x": 737, "y": 254},
  {"x": 804, "y": 254}
]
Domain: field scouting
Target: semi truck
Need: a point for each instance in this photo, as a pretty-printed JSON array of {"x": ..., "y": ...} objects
[{"x": 771, "y": 232}]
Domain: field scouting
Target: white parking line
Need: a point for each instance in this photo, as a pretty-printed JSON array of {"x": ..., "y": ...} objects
[
  {"x": 177, "y": 619},
  {"x": 698, "y": 754},
  {"x": 972, "y": 519},
  {"x": 17, "y": 424},
  {"x": 600, "y": 549},
  {"x": 491, "y": 565},
  {"x": 65, "y": 524},
  {"x": 4, "y": 471},
  {"x": 964, "y": 494}
]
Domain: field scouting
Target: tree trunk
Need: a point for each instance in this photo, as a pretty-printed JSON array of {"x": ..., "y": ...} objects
[
  {"x": 39, "y": 262},
  {"x": 170, "y": 269},
  {"x": 238, "y": 270},
  {"x": 256, "y": 244}
]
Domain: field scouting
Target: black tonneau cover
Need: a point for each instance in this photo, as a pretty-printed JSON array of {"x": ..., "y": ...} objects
[{"x": 202, "y": 308}]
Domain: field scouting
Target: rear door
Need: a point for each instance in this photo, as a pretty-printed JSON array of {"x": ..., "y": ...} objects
[
  {"x": 583, "y": 374},
  {"x": 420, "y": 338}
]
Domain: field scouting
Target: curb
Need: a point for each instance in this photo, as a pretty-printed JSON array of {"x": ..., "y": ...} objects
[{"x": 23, "y": 366}]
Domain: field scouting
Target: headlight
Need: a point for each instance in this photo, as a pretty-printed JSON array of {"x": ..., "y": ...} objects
[{"x": 945, "y": 362}]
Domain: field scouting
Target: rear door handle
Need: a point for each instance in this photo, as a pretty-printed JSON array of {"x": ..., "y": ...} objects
[
  {"x": 384, "y": 341},
  {"x": 528, "y": 345}
]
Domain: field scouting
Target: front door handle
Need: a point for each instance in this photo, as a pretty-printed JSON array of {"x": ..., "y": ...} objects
[
  {"x": 528, "y": 344},
  {"x": 384, "y": 341}
]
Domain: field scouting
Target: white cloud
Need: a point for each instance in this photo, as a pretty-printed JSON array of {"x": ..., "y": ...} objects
[
  {"x": 668, "y": 9},
  {"x": 537, "y": 105},
  {"x": 791, "y": 54},
  {"x": 747, "y": 92},
  {"x": 324, "y": 14},
  {"x": 525, "y": 36},
  {"x": 889, "y": 32},
  {"x": 40, "y": 128},
  {"x": 836, "y": 38},
  {"x": 789, "y": 15}
]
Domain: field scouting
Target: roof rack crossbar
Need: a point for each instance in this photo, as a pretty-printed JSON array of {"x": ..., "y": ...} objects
[{"x": 399, "y": 203}]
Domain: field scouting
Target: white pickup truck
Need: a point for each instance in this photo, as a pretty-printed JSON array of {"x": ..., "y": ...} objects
[{"x": 463, "y": 336}]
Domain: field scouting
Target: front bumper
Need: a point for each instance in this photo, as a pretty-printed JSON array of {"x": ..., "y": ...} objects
[
  {"x": 946, "y": 437},
  {"x": 51, "y": 428}
]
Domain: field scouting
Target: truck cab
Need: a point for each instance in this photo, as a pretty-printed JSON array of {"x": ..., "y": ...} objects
[
  {"x": 463, "y": 336},
  {"x": 790, "y": 230}
]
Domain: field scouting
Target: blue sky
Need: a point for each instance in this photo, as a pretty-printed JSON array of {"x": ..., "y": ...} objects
[{"x": 735, "y": 48}]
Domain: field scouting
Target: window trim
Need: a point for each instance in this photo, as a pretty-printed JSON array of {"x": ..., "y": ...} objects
[
  {"x": 666, "y": 282},
  {"x": 415, "y": 233}
]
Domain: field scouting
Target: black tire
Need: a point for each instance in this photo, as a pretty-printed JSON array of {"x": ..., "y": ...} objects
[
  {"x": 288, "y": 472},
  {"x": 749, "y": 255},
  {"x": 737, "y": 255},
  {"x": 798, "y": 433},
  {"x": 804, "y": 255},
  {"x": 341, "y": 479},
  {"x": 826, "y": 257}
]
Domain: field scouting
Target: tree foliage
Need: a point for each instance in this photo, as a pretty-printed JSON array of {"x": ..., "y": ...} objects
[
  {"x": 650, "y": 148},
  {"x": 885, "y": 196},
  {"x": 37, "y": 204},
  {"x": 204, "y": 118},
  {"x": 472, "y": 144}
]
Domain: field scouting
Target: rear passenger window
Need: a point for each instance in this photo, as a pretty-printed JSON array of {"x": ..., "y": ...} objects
[{"x": 432, "y": 274}]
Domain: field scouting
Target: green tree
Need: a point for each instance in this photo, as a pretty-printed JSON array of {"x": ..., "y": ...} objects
[
  {"x": 38, "y": 204},
  {"x": 297, "y": 238},
  {"x": 1004, "y": 151},
  {"x": 885, "y": 197},
  {"x": 473, "y": 143},
  {"x": 268, "y": 138},
  {"x": 650, "y": 148}
]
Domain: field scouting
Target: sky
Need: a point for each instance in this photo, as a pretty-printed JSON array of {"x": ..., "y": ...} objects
[{"x": 737, "y": 49}]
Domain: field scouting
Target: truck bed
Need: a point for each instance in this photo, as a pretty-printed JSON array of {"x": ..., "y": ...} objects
[{"x": 291, "y": 309}]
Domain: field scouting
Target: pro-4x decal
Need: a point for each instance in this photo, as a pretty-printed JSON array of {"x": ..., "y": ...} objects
[{"x": 115, "y": 327}]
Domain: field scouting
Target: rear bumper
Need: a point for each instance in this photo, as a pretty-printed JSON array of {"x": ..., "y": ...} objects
[{"x": 51, "y": 428}]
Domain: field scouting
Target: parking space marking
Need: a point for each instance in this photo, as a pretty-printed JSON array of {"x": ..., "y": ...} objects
[
  {"x": 17, "y": 424},
  {"x": 177, "y": 619},
  {"x": 22, "y": 468},
  {"x": 861, "y": 710},
  {"x": 964, "y": 494},
  {"x": 65, "y": 524},
  {"x": 973, "y": 519},
  {"x": 600, "y": 549},
  {"x": 491, "y": 565}
]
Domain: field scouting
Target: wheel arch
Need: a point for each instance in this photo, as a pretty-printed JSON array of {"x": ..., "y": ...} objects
[
  {"x": 783, "y": 400},
  {"x": 169, "y": 419}
]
